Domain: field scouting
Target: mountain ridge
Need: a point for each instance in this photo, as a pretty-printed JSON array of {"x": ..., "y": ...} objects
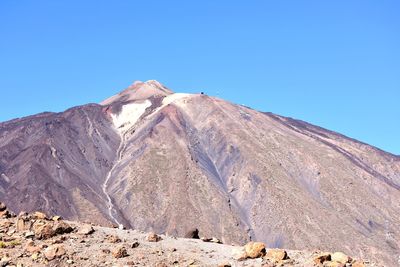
[{"x": 144, "y": 160}]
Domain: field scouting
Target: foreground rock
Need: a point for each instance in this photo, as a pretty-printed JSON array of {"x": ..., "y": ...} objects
[{"x": 42, "y": 241}]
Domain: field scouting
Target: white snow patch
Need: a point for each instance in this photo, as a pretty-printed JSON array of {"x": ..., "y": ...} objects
[
  {"x": 129, "y": 115},
  {"x": 174, "y": 97}
]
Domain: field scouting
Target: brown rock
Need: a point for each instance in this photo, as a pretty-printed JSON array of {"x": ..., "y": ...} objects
[
  {"x": 5, "y": 214},
  {"x": 62, "y": 227},
  {"x": 276, "y": 255},
  {"x": 31, "y": 248},
  {"x": 113, "y": 239},
  {"x": 340, "y": 257},
  {"x": 106, "y": 251},
  {"x": 255, "y": 249},
  {"x": 333, "y": 264},
  {"x": 358, "y": 264},
  {"x": 44, "y": 231},
  {"x": 54, "y": 251},
  {"x": 120, "y": 253},
  {"x": 321, "y": 258},
  {"x": 86, "y": 229},
  {"x": 194, "y": 233},
  {"x": 152, "y": 237},
  {"x": 38, "y": 215},
  {"x": 135, "y": 244},
  {"x": 23, "y": 222}
]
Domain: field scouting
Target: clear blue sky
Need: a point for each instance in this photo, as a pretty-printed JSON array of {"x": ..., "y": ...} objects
[{"x": 332, "y": 63}]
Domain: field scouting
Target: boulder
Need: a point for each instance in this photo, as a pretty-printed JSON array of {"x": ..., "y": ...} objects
[
  {"x": 44, "y": 231},
  {"x": 120, "y": 252},
  {"x": 23, "y": 222},
  {"x": 276, "y": 255},
  {"x": 239, "y": 254},
  {"x": 61, "y": 227},
  {"x": 56, "y": 218},
  {"x": 38, "y": 215},
  {"x": 54, "y": 251},
  {"x": 31, "y": 248},
  {"x": 86, "y": 229},
  {"x": 321, "y": 258},
  {"x": 340, "y": 257},
  {"x": 193, "y": 233},
  {"x": 152, "y": 237},
  {"x": 255, "y": 249}
]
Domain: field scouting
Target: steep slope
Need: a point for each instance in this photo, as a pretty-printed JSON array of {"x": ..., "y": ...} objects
[
  {"x": 150, "y": 159},
  {"x": 54, "y": 162}
]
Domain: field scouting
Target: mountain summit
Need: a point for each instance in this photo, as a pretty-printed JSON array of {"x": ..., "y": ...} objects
[
  {"x": 154, "y": 160},
  {"x": 139, "y": 91}
]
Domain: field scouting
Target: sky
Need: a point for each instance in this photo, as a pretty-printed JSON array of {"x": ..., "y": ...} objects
[{"x": 333, "y": 63}]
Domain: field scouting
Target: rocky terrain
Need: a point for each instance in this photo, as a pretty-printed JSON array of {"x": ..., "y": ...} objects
[
  {"x": 156, "y": 161},
  {"x": 37, "y": 240}
]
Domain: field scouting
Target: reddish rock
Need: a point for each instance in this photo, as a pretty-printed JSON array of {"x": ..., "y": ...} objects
[
  {"x": 152, "y": 237},
  {"x": 44, "y": 231},
  {"x": 54, "y": 251},
  {"x": 86, "y": 229},
  {"x": 120, "y": 252}
]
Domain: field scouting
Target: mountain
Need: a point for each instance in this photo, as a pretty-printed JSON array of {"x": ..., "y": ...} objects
[{"x": 154, "y": 160}]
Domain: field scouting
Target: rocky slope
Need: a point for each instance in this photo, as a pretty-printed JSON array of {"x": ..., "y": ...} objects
[
  {"x": 153, "y": 160},
  {"x": 36, "y": 240}
]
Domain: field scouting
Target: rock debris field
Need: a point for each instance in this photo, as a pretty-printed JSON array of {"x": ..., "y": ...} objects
[{"x": 36, "y": 240}]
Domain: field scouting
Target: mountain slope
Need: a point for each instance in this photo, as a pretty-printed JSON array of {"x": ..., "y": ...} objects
[{"x": 153, "y": 160}]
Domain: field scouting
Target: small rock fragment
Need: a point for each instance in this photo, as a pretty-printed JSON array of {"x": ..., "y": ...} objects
[
  {"x": 113, "y": 239},
  {"x": 86, "y": 229},
  {"x": 152, "y": 237},
  {"x": 135, "y": 244},
  {"x": 31, "y": 248},
  {"x": 54, "y": 251},
  {"x": 120, "y": 252}
]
